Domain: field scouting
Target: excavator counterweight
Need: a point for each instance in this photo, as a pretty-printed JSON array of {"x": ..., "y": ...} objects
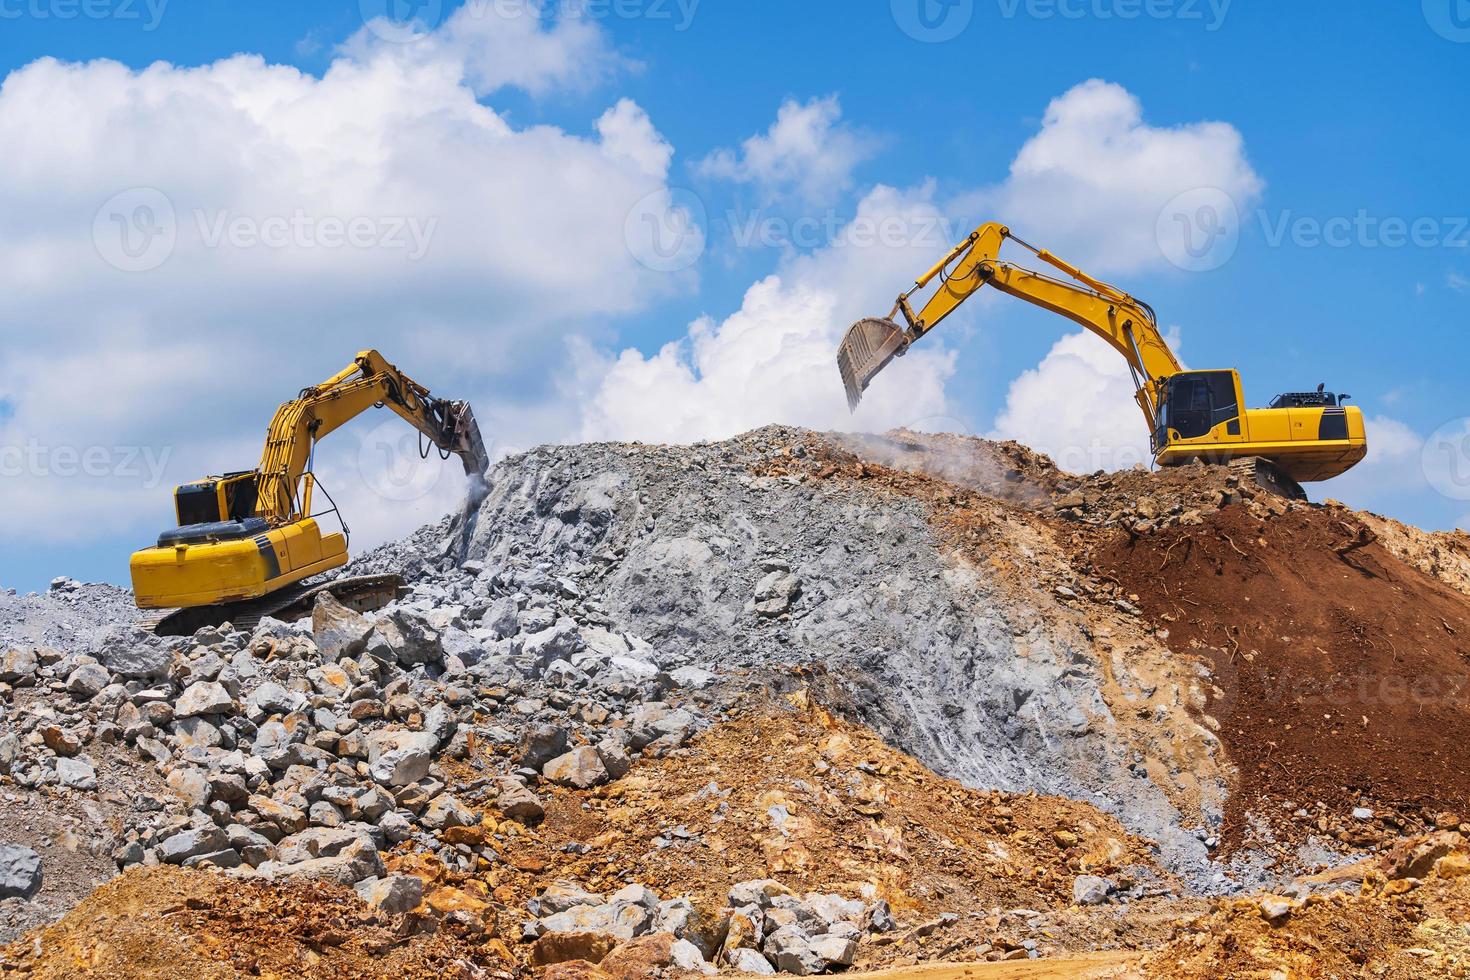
[{"x": 1191, "y": 415}]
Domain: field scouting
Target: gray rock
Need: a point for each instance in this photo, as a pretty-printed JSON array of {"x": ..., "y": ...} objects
[
  {"x": 793, "y": 951},
  {"x": 750, "y": 961},
  {"x": 352, "y": 864},
  {"x": 613, "y": 919},
  {"x": 338, "y": 631},
  {"x": 88, "y": 680},
  {"x": 395, "y": 894},
  {"x": 77, "y": 773},
  {"x": 760, "y": 892},
  {"x": 189, "y": 843},
  {"x": 446, "y": 811},
  {"x": 18, "y": 667},
  {"x": 693, "y": 678},
  {"x": 203, "y": 698},
  {"x": 1091, "y": 890},
  {"x": 20, "y": 871},
  {"x": 686, "y": 956},
  {"x": 517, "y": 801},
  {"x": 399, "y": 758},
  {"x": 273, "y": 699},
  {"x": 540, "y": 744},
  {"x": 134, "y": 654},
  {"x": 562, "y": 895},
  {"x": 581, "y": 768}
]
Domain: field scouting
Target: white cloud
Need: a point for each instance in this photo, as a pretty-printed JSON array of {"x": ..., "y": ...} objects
[
  {"x": 774, "y": 360},
  {"x": 808, "y": 151},
  {"x": 495, "y": 45},
  {"x": 1092, "y": 183},
  {"x": 296, "y": 205},
  {"x": 1077, "y": 407},
  {"x": 1457, "y": 282}
]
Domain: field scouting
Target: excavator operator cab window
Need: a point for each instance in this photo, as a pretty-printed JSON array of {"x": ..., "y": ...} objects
[
  {"x": 1198, "y": 401},
  {"x": 241, "y": 491}
]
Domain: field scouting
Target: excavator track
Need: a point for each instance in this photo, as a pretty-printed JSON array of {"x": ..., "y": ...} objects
[
  {"x": 363, "y": 593},
  {"x": 1268, "y": 476}
]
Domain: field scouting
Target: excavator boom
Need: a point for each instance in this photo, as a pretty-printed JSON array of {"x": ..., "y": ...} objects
[{"x": 1191, "y": 415}]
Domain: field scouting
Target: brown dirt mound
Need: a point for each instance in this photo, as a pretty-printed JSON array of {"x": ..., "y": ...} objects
[
  {"x": 1395, "y": 929},
  {"x": 1341, "y": 673},
  {"x": 821, "y": 805},
  {"x": 198, "y": 925}
]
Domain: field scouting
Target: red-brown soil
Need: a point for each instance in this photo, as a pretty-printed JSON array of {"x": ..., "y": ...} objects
[{"x": 1342, "y": 674}]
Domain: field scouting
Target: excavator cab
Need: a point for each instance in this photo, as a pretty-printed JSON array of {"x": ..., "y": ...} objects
[{"x": 1196, "y": 403}]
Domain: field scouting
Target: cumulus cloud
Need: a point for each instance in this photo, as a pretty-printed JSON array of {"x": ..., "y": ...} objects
[
  {"x": 1092, "y": 183},
  {"x": 188, "y": 246},
  {"x": 1077, "y": 407},
  {"x": 774, "y": 360},
  {"x": 808, "y": 151}
]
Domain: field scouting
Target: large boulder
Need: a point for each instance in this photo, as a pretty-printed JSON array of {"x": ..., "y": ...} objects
[
  {"x": 20, "y": 871},
  {"x": 400, "y": 758},
  {"x": 338, "y": 631},
  {"x": 133, "y": 653},
  {"x": 581, "y": 768}
]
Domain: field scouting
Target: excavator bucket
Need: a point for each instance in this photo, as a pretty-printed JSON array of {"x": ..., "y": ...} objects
[{"x": 868, "y": 347}]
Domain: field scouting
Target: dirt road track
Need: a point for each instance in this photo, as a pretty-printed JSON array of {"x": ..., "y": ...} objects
[{"x": 1100, "y": 966}]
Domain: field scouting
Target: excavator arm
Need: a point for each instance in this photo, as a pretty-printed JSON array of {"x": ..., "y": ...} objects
[
  {"x": 317, "y": 411},
  {"x": 1126, "y": 324}
]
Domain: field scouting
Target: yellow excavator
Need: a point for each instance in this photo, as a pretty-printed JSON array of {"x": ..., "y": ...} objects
[
  {"x": 244, "y": 540},
  {"x": 1192, "y": 415}
]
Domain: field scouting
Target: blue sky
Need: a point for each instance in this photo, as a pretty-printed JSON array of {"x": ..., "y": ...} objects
[{"x": 1336, "y": 119}]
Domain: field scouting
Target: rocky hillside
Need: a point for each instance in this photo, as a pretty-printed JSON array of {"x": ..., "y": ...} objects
[{"x": 791, "y": 702}]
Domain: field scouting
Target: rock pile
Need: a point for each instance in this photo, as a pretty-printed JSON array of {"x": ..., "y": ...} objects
[{"x": 304, "y": 750}]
